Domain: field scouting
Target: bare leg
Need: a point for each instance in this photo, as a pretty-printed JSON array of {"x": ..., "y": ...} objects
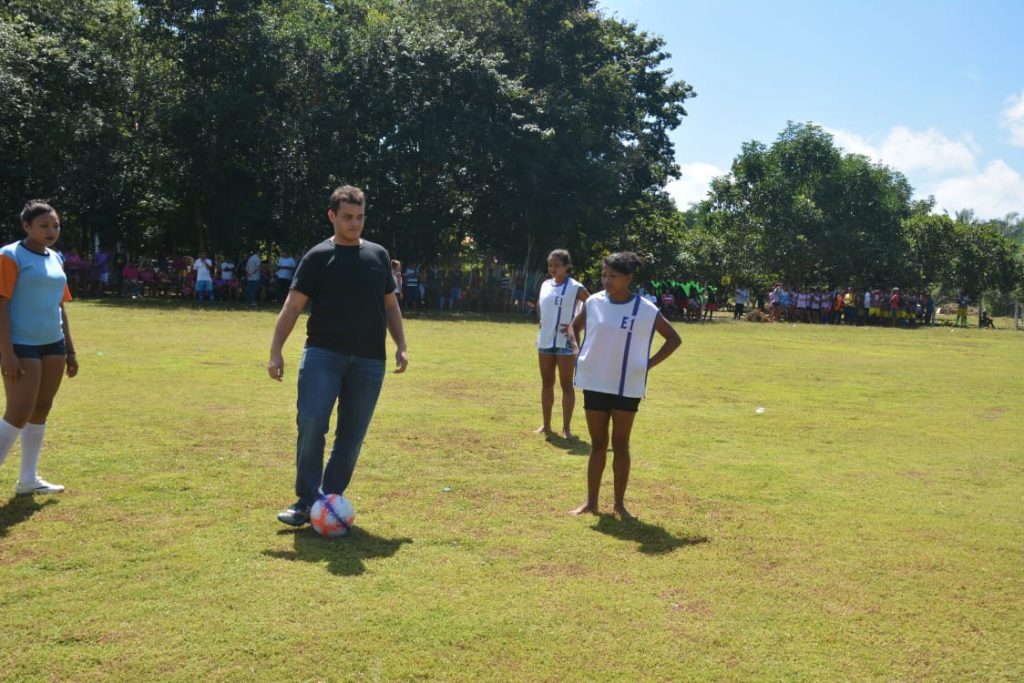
[
  {"x": 22, "y": 392},
  {"x": 547, "y": 389},
  {"x": 566, "y": 366},
  {"x": 50, "y": 379},
  {"x": 597, "y": 424},
  {"x": 622, "y": 427},
  {"x": 33, "y": 433}
]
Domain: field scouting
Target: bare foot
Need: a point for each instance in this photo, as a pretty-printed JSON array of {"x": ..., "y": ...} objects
[
  {"x": 622, "y": 512},
  {"x": 543, "y": 429},
  {"x": 567, "y": 435},
  {"x": 583, "y": 509}
]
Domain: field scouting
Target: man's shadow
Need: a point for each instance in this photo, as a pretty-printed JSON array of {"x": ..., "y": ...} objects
[
  {"x": 18, "y": 509},
  {"x": 573, "y": 446},
  {"x": 653, "y": 539},
  {"x": 343, "y": 556}
]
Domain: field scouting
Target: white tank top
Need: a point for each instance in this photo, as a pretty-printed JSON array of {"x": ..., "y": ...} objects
[
  {"x": 616, "y": 346},
  {"x": 556, "y": 304}
]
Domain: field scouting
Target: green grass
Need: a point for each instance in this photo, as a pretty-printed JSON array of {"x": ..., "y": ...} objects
[{"x": 868, "y": 526}]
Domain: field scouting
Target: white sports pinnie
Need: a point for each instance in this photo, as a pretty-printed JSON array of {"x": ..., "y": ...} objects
[{"x": 332, "y": 516}]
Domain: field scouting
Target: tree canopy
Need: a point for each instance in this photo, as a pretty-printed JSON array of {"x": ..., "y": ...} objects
[
  {"x": 804, "y": 212},
  {"x": 510, "y": 125}
]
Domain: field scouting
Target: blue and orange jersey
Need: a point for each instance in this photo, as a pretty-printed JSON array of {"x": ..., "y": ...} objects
[{"x": 36, "y": 286}]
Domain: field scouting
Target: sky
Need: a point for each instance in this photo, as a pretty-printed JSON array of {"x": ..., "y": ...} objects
[{"x": 933, "y": 89}]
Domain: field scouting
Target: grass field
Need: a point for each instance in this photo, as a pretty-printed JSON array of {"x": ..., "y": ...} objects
[{"x": 869, "y": 525}]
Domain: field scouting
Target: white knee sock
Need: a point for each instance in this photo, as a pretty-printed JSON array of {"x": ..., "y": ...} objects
[
  {"x": 8, "y": 435},
  {"x": 31, "y": 443}
]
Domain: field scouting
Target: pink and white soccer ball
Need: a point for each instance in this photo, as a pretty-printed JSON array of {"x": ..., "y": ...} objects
[{"x": 332, "y": 516}]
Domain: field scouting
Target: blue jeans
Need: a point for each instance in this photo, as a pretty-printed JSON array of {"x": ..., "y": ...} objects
[
  {"x": 325, "y": 377},
  {"x": 204, "y": 286},
  {"x": 252, "y": 290}
]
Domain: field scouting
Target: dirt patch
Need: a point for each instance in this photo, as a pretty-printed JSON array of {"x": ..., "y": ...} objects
[{"x": 680, "y": 600}]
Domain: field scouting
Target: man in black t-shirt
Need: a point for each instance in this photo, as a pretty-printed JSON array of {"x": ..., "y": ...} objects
[{"x": 348, "y": 285}]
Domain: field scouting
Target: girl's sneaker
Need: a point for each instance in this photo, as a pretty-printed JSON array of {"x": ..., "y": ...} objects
[{"x": 40, "y": 485}]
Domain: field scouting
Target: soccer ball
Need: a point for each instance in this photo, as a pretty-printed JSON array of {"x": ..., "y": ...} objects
[{"x": 332, "y": 516}]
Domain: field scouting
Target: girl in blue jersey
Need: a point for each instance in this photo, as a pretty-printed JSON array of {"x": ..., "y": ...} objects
[
  {"x": 612, "y": 369},
  {"x": 35, "y": 342},
  {"x": 557, "y": 303}
]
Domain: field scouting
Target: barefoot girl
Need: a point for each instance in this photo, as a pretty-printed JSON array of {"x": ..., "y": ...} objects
[
  {"x": 557, "y": 303},
  {"x": 612, "y": 369},
  {"x": 35, "y": 342}
]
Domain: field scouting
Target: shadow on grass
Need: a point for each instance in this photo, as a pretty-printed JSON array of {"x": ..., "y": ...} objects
[
  {"x": 344, "y": 556},
  {"x": 573, "y": 446},
  {"x": 18, "y": 509},
  {"x": 653, "y": 539}
]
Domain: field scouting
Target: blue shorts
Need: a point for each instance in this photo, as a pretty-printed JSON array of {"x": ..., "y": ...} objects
[
  {"x": 204, "y": 286},
  {"x": 556, "y": 351},
  {"x": 24, "y": 351},
  {"x": 596, "y": 400}
]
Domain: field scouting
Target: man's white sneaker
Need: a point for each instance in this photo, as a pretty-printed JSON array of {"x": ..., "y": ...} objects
[{"x": 38, "y": 486}]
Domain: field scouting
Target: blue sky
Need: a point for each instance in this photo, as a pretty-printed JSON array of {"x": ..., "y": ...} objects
[{"x": 933, "y": 89}]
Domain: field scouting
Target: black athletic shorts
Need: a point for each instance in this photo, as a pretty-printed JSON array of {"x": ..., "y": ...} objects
[
  {"x": 57, "y": 348},
  {"x": 595, "y": 400}
]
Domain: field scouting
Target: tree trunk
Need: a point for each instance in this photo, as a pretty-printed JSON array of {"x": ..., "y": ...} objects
[
  {"x": 198, "y": 215},
  {"x": 526, "y": 267}
]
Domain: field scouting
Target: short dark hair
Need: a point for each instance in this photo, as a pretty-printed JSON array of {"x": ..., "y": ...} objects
[
  {"x": 35, "y": 208},
  {"x": 625, "y": 262},
  {"x": 562, "y": 255},
  {"x": 347, "y": 194}
]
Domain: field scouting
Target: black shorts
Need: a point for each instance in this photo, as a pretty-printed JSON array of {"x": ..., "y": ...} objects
[
  {"x": 57, "y": 348},
  {"x": 595, "y": 400}
]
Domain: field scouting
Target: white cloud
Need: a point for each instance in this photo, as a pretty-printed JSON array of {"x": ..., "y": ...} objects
[
  {"x": 853, "y": 143},
  {"x": 928, "y": 150},
  {"x": 992, "y": 193},
  {"x": 1013, "y": 119},
  {"x": 693, "y": 186},
  {"x": 907, "y": 150}
]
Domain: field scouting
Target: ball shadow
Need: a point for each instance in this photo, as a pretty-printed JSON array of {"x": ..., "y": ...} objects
[
  {"x": 653, "y": 539},
  {"x": 344, "y": 556},
  {"x": 19, "y": 509}
]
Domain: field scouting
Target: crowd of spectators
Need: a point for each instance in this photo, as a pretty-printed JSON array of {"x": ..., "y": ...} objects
[
  {"x": 259, "y": 279},
  {"x": 254, "y": 278},
  {"x": 822, "y": 305}
]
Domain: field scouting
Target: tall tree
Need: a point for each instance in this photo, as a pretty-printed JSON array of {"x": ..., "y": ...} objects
[
  {"x": 589, "y": 138},
  {"x": 66, "y": 83},
  {"x": 804, "y": 211}
]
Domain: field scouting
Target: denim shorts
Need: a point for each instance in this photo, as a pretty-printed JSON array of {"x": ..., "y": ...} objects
[
  {"x": 556, "y": 351},
  {"x": 57, "y": 348}
]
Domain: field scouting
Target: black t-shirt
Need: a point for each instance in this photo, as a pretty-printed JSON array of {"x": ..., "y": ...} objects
[{"x": 346, "y": 287}]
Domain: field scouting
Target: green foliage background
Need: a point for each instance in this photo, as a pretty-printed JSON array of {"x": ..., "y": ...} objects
[{"x": 521, "y": 125}]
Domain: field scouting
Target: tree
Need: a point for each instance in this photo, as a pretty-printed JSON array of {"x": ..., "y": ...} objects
[
  {"x": 932, "y": 243},
  {"x": 590, "y": 135},
  {"x": 803, "y": 211},
  {"x": 983, "y": 261},
  {"x": 66, "y": 107}
]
